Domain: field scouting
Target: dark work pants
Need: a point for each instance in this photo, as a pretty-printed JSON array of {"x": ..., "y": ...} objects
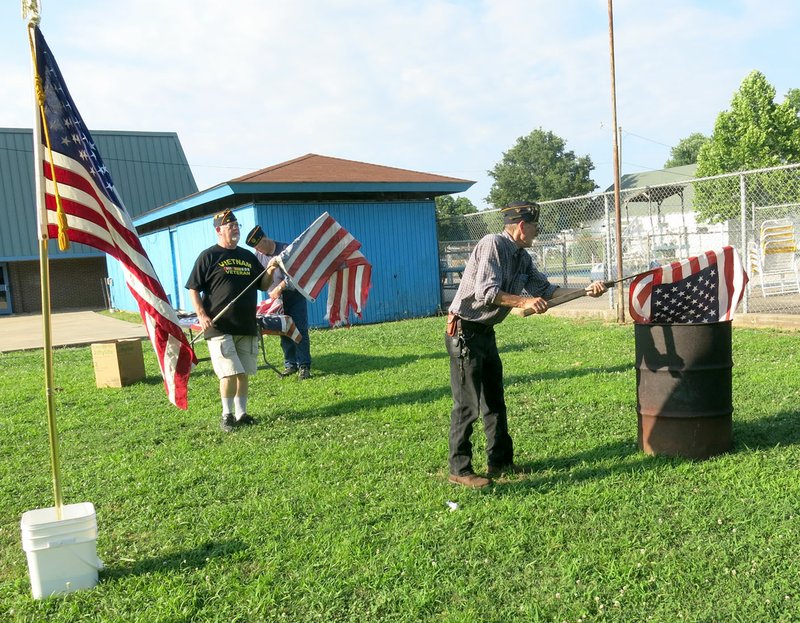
[
  {"x": 476, "y": 381},
  {"x": 299, "y": 355}
]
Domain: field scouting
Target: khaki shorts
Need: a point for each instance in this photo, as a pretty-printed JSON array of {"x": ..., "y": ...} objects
[{"x": 233, "y": 354}]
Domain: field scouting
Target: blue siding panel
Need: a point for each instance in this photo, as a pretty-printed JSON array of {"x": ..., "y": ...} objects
[
  {"x": 17, "y": 197},
  {"x": 173, "y": 253},
  {"x": 157, "y": 247},
  {"x": 397, "y": 238}
]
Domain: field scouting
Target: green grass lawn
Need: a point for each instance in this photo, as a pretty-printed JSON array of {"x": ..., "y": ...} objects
[{"x": 336, "y": 507}]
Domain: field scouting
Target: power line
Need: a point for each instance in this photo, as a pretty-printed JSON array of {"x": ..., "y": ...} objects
[{"x": 644, "y": 138}]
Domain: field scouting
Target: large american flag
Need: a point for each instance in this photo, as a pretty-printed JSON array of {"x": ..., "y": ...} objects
[
  {"x": 93, "y": 214},
  {"x": 706, "y": 288},
  {"x": 327, "y": 253}
]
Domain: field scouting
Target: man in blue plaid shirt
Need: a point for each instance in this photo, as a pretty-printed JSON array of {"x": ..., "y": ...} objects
[{"x": 496, "y": 275}]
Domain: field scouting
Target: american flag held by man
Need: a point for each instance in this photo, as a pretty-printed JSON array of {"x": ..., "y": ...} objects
[
  {"x": 701, "y": 289},
  {"x": 327, "y": 253}
]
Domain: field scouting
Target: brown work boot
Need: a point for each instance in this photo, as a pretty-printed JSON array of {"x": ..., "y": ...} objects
[{"x": 471, "y": 480}]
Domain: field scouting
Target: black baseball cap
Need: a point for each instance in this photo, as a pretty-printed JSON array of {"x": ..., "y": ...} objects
[
  {"x": 520, "y": 211},
  {"x": 254, "y": 236},
  {"x": 224, "y": 217}
]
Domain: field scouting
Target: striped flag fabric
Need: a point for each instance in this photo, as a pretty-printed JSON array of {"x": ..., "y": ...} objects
[
  {"x": 701, "y": 289},
  {"x": 270, "y": 306},
  {"x": 280, "y": 324},
  {"x": 327, "y": 253},
  {"x": 273, "y": 321},
  {"x": 81, "y": 204},
  {"x": 348, "y": 289}
]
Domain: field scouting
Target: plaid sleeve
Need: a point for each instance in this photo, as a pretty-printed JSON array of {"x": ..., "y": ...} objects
[{"x": 489, "y": 273}]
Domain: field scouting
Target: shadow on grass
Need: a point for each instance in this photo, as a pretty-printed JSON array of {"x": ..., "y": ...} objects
[
  {"x": 570, "y": 373},
  {"x": 196, "y": 558},
  {"x": 428, "y": 395},
  {"x": 780, "y": 429},
  {"x": 150, "y": 379},
  {"x": 349, "y": 363},
  {"x": 199, "y": 370},
  {"x": 583, "y": 466}
]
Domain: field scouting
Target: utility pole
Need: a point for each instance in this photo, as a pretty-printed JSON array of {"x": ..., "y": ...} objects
[{"x": 617, "y": 211}]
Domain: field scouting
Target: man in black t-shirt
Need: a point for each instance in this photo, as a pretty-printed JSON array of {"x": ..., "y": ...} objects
[{"x": 222, "y": 273}]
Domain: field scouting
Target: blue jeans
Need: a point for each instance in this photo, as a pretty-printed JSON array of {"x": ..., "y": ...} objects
[
  {"x": 296, "y": 355},
  {"x": 476, "y": 381}
]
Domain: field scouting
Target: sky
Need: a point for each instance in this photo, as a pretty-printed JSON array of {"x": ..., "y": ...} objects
[{"x": 440, "y": 86}]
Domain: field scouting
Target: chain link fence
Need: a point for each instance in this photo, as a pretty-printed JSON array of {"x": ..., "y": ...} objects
[{"x": 757, "y": 212}]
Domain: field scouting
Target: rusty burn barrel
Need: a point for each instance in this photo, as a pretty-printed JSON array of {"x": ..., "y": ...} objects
[{"x": 684, "y": 389}]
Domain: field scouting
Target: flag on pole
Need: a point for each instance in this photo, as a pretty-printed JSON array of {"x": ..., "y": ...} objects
[
  {"x": 706, "y": 288},
  {"x": 81, "y": 204},
  {"x": 327, "y": 253}
]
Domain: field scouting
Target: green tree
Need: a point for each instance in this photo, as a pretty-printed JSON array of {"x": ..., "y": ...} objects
[
  {"x": 448, "y": 206},
  {"x": 755, "y": 133},
  {"x": 450, "y": 221},
  {"x": 793, "y": 97},
  {"x": 538, "y": 168},
  {"x": 685, "y": 152}
]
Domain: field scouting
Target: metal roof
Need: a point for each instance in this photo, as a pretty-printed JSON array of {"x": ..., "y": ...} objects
[
  {"x": 149, "y": 169},
  {"x": 660, "y": 177},
  {"x": 308, "y": 178},
  {"x": 665, "y": 190}
]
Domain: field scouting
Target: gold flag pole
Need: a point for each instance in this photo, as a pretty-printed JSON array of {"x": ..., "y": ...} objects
[{"x": 30, "y": 11}]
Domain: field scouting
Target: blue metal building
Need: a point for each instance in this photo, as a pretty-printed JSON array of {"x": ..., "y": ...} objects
[
  {"x": 390, "y": 211},
  {"x": 149, "y": 169}
]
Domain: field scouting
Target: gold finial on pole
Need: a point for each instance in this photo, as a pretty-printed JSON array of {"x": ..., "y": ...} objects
[{"x": 30, "y": 11}]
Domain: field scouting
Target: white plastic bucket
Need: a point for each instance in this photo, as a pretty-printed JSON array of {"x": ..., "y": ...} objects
[{"x": 62, "y": 553}]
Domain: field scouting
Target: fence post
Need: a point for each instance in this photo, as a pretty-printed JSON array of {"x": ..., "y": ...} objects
[{"x": 743, "y": 237}]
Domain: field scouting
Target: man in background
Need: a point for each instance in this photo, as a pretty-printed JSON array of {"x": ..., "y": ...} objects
[{"x": 296, "y": 356}]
